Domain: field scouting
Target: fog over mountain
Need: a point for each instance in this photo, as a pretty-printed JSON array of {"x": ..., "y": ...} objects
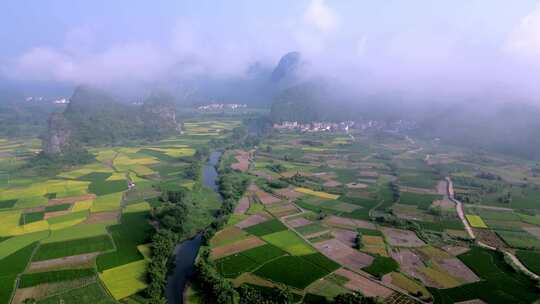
[
  {"x": 308, "y": 59},
  {"x": 418, "y": 50}
]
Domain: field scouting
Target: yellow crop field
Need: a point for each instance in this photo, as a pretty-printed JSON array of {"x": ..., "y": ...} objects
[
  {"x": 104, "y": 155},
  {"x": 10, "y": 221},
  {"x": 125, "y": 280},
  {"x": 107, "y": 202},
  {"x": 38, "y": 226},
  {"x": 117, "y": 176},
  {"x": 317, "y": 193},
  {"x": 476, "y": 221},
  {"x": 82, "y": 205},
  {"x": 84, "y": 171},
  {"x": 123, "y": 160},
  {"x": 176, "y": 152},
  {"x": 142, "y": 170},
  {"x": 66, "y": 224}
]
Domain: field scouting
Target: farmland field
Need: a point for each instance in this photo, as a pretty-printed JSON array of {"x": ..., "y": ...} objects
[
  {"x": 55, "y": 250},
  {"x": 125, "y": 280},
  {"x": 317, "y": 193},
  {"x": 323, "y": 213},
  {"x": 294, "y": 271},
  {"x": 289, "y": 242},
  {"x": 91, "y": 294},
  {"x": 32, "y": 279},
  {"x": 476, "y": 221},
  {"x": 497, "y": 275}
]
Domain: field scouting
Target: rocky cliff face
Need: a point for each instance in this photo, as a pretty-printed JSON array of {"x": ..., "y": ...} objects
[
  {"x": 58, "y": 135},
  {"x": 287, "y": 67},
  {"x": 160, "y": 115}
]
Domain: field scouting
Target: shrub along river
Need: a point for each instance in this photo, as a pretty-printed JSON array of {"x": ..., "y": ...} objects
[{"x": 186, "y": 252}]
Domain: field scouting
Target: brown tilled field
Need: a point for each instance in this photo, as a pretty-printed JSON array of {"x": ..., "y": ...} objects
[
  {"x": 243, "y": 158},
  {"x": 343, "y": 222},
  {"x": 239, "y": 246},
  {"x": 343, "y": 254},
  {"x": 101, "y": 217},
  {"x": 252, "y": 220},
  {"x": 408, "y": 260},
  {"x": 457, "y": 269},
  {"x": 48, "y": 215},
  {"x": 242, "y": 206},
  {"x": 455, "y": 250},
  {"x": 41, "y": 291},
  {"x": 267, "y": 198},
  {"x": 82, "y": 260},
  {"x": 331, "y": 183},
  {"x": 402, "y": 238},
  {"x": 298, "y": 222},
  {"x": 364, "y": 285},
  {"x": 347, "y": 237},
  {"x": 489, "y": 237},
  {"x": 70, "y": 200},
  {"x": 289, "y": 193},
  {"x": 283, "y": 210}
]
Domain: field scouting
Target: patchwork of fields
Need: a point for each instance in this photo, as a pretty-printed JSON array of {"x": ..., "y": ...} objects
[
  {"x": 77, "y": 236},
  {"x": 324, "y": 214}
]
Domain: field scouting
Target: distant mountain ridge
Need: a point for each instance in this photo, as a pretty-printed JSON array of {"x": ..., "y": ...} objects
[{"x": 95, "y": 118}]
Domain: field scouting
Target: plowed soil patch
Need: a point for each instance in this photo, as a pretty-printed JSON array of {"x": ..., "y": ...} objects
[
  {"x": 364, "y": 285},
  {"x": 457, "y": 269},
  {"x": 100, "y": 217},
  {"x": 65, "y": 262},
  {"x": 48, "y": 215},
  {"x": 289, "y": 193},
  {"x": 298, "y": 222},
  {"x": 242, "y": 206},
  {"x": 267, "y": 198},
  {"x": 347, "y": 222},
  {"x": 402, "y": 238},
  {"x": 343, "y": 254},
  {"x": 236, "y": 247},
  {"x": 70, "y": 200},
  {"x": 347, "y": 237},
  {"x": 252, "y": 220},
  {"x": 242, "y": 158}
]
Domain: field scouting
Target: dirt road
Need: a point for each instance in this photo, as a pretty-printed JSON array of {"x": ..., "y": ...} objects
[
  {"x": 459, "y": 208},
  {"x": 461, "y": 214},
  {"x": 518, "y": 263}
]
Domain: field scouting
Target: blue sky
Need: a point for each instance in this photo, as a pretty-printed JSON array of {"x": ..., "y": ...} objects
[{"x": 391, "y": 44}]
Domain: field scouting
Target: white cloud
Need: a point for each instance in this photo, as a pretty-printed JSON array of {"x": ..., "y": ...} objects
[
  {"x": 117, "y": 63},
  {"x": 321, "y": 16},
  {"x": 524, "y": 40}
]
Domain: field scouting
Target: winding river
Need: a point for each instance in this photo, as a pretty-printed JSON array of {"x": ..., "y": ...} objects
[{"x": 186, "y": 252}]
